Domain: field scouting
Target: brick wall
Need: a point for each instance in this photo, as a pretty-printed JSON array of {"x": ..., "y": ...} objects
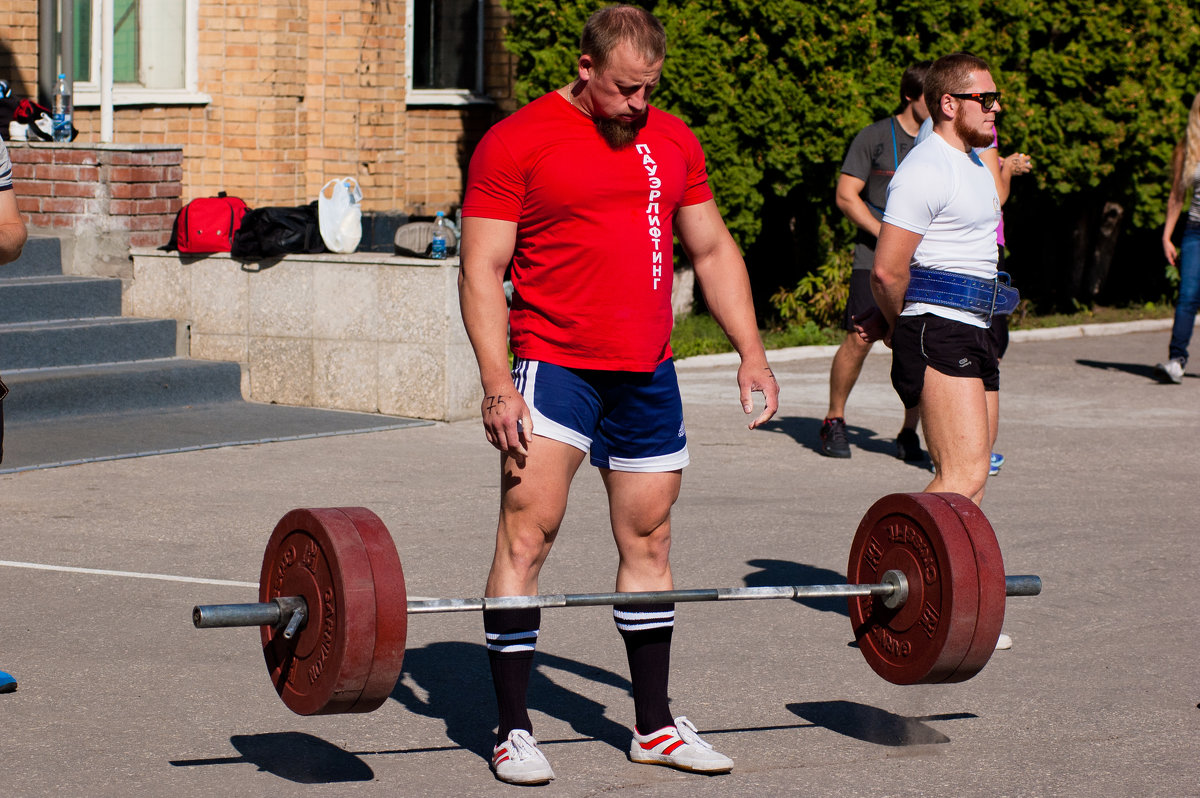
[
  {"x": 19, "y": 46},
  {"x": 302, "y": 91},
  {"x": 106, "y": 199}
]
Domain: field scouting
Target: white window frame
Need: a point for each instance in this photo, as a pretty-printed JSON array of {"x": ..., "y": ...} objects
[
  {"x": 87, "y": 94},
  {"x": 441, "y": 97}
]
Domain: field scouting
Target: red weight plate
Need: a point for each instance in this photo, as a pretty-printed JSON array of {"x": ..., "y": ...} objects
[
  {"x": 927, "y": 638},
  {"x": 992, "y": 591},
  {"x": 391, "y": 609},
  {"x": 319, "y": 555}
]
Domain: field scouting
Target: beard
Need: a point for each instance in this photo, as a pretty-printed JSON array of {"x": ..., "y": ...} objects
[
  {"x": 620, "y": 135},
  {"x": 972, "y": 137}
]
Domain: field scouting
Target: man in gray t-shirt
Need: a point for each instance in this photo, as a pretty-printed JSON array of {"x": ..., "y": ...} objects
[{"x": 870, "y": 163}]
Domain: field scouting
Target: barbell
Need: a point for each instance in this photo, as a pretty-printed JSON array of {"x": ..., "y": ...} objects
[{"x": 925, "y": 584}]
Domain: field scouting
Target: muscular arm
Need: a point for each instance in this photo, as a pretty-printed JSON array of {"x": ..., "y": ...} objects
[
  {"x": 889, "y": 276},
  {"x": 12, "y": 229},
  {"x": 850, "y": 202},
  {"x": 725, "y": 284},
  {"x": 487, "y": 248}
]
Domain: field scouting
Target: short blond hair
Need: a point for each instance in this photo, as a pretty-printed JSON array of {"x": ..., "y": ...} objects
[{"x": 609, "y": 27}]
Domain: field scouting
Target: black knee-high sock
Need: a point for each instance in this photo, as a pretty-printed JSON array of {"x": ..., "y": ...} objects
[
  {"x": 647, "y": 629},
  {"x": 511, "y": 639}
]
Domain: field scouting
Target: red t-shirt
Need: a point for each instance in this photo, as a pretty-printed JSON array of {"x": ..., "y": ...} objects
[{"x": 592, "y": 265}]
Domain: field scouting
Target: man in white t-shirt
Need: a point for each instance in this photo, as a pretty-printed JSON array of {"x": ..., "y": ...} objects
[{"x": 940, "y": 220}]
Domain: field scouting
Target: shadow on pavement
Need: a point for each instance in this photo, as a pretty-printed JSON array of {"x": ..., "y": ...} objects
[
  {"x": 784, "y": 572},
  {"x": 295, "y": 756},
  {"x": 1136, "y": 369},
  {"x": 301, "y": 758},
  {"x": 457, "y": 682},
  {"x": 873, "y": 725},
  {"x": 807, "y": 432}
]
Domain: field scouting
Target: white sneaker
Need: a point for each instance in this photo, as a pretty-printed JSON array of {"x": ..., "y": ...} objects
[
  {"x": 1172, "y": 370},
  {"x": 678, "y": 746},
  {"x": 518, "y": 760},
  {"x": 1003, "y": 642}
]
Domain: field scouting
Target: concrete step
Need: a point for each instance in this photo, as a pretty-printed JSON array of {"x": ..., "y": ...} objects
[
  {"x": 77, "y": 342},
  {"x": 40, "y": 257},
  {"x": 44, "y": 298},
  {"x": 48, "y": 393}
]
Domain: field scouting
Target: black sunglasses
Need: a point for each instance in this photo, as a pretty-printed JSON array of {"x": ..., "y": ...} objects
[{"x": 986, "y": 99}]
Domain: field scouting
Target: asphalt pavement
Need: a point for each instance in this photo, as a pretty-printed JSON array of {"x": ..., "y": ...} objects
[{"x": 120, "y": 696}]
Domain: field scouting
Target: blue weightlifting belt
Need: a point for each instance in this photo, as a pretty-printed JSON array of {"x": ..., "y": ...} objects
[{"x": 953, "y": 290}]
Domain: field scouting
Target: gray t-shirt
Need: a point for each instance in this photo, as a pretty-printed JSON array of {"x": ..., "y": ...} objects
[{"x": 873, "y": 157}]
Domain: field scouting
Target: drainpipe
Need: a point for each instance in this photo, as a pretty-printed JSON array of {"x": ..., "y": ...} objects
[
  {"x": 106, "y": 72},
  {"x": 66, "y": 52},
  {"x": 46, "y": 71},
  {"x": 53, "y": 59}
]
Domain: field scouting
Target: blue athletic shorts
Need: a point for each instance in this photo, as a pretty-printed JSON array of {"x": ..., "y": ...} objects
[{"x": 629, "y": 420}]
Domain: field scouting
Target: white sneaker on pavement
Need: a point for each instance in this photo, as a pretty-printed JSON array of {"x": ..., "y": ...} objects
[
  {"x": 518, "y": 760},
  {"x": 678, "y": 746},
  {"x": 1172, "y": 370},
  {"x": 1003, "y": 642}
]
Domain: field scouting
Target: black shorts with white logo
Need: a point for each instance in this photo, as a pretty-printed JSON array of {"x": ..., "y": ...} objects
[{"x": 949, "y": 347}]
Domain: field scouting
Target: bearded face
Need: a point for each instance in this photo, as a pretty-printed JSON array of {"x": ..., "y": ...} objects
[
  {"x": 972, "y": 136},
  {"x": 620, "y": 134}
]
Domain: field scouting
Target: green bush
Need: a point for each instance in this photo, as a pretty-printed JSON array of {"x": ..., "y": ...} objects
[{"x": 775, "y": 90}]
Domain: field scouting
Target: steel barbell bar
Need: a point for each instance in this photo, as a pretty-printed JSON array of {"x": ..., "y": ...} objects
[{"x": 282, "y": 611}]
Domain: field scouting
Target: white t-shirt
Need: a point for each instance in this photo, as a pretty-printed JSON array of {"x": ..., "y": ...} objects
[{"x": 949, "y": 197}]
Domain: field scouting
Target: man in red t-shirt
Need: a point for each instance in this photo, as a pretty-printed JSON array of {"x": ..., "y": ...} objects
[{"x": 582, "y": 192}]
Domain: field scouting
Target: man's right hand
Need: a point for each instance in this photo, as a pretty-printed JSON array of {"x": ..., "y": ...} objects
[
  {"x": 872, "y": 326},
  {"x": 507, "y": 422}
]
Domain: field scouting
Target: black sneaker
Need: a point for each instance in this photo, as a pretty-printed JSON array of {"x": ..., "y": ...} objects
[
  {"x": 833, "y": 438},
  {"x": 908, "y": 446}
]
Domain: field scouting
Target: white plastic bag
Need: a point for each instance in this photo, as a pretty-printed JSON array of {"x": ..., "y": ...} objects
[{"x": 339, "y": 212}]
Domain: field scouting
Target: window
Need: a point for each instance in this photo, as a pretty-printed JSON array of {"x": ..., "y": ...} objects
[
  {"x": 154, "y": 52},
  {"x": 445, "y": 52}
]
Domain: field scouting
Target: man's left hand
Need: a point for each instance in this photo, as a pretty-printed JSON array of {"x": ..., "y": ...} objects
[{"x": 757, "y": 377}]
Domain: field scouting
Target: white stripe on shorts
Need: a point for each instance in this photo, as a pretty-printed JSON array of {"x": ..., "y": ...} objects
[
  {"x": 660, "y": 463},
  {"x": 542, "y": 425}
]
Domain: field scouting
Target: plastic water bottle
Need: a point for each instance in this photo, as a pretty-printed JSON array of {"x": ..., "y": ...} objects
[
  {"x": 62, "y": 110},
  {"x": 438, "y": 246}
]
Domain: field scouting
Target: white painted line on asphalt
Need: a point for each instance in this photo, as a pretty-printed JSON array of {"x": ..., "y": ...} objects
[
  {"x": 70, "y": 569},
  {"x": 131, "y": 574}
]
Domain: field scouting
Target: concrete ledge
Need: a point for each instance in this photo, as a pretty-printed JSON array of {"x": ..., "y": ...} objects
[
  {"x": 1044, "y": 334},
  {"x": 366, "y": 331}
]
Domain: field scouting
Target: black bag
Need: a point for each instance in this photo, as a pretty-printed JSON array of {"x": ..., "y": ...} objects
[{"x": 271, "y": 232}]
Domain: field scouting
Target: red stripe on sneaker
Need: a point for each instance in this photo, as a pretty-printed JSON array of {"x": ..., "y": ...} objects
[
  {"x": 673, "y": 746},
  {"x": 649, "y": 744},
  {"x": 501, "y": 759}
]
